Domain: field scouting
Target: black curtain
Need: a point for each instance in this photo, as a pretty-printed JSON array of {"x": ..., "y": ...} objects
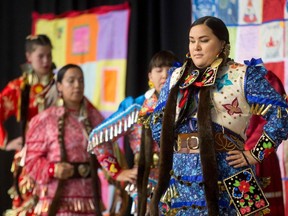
[
  {"x": 154, "y": 25},
  {"x": 15, "y": 22}
]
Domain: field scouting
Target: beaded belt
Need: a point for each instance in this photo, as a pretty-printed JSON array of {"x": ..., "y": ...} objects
[
  {"x": 81, "y": 170},
  {"x": 189, "y": 142}
]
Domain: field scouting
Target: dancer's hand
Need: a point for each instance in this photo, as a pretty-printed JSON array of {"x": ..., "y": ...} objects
[
  {"x": 237, "y": 160},
  {"x": 128, "y": 175},
  {"x": 15, "y": 144}
]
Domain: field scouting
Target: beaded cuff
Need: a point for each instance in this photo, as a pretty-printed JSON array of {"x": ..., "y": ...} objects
[
  {"x": 51, "y": 170},
  {"x": 111, "y": 165},
  {"x": 264, "y": 147}
]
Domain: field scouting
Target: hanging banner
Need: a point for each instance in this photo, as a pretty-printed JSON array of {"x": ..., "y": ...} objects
[{"x": 97, "y": 40}]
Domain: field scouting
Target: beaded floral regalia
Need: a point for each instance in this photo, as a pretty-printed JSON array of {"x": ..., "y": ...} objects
[{"x": 231, "y": 100}]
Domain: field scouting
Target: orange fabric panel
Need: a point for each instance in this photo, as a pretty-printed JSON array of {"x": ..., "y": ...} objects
[{"x": 110, "y": 82}]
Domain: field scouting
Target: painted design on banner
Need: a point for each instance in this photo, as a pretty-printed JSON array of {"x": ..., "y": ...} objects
[{"x": 89, "y": 40}]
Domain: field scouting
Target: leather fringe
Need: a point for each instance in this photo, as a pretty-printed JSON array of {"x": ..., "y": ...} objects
[
  {"x": 96, "y": 185},
  {"x": 145, "y": 162},
  {"x": 166, "y": 150},
  {"x": 207, "y": 152}
]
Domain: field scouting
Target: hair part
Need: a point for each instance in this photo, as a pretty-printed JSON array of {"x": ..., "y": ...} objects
[
  {"x": 162, "y": 59},
  {"x": 37, "y": 40},
  {"x": 216, "y": 25},
  {"x": 64, "y": 69}
]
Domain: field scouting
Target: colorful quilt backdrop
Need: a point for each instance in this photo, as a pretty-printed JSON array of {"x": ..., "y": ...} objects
[
  {"x": 96, "y": 40},
  {"x": 258, "y": 29}
]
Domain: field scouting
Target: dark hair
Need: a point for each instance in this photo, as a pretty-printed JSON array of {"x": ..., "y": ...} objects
[
  {"x": 216, "y": 25},
  {"x": 64, "y": 69},
  {"x": 32, "y": 41},
  {"x": 162, "y": 58}
]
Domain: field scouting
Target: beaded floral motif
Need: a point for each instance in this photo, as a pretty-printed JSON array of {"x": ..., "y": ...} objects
[
  {"x": 243, "y": 88},
  {"x": 245, "y": 192},
  {"x": 265, "y": 146}
]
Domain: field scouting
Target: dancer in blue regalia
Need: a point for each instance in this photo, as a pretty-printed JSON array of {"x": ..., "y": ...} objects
[{"x": 199, "y": 123}]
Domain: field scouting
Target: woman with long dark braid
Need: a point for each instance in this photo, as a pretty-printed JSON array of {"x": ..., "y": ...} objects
[
  {"x": 57, "y": 159},
  {"x": 56, "y": 156},
  {"x": 199, "y": 123},
  {"x": 23, "y": 98}
]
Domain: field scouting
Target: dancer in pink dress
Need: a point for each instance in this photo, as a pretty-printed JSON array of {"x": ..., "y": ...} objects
[{"x": 56, "y": 158}]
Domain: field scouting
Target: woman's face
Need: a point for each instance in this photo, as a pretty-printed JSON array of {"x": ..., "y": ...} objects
[
  {"x": 158, "y": 76},
  {"x": 40, "y": 59},
  {"x": 72, "y": 87},
  {"x": 204, "y": 46}
]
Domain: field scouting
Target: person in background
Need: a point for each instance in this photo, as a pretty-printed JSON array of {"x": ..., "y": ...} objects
[
  {"x": 146, "y": 152},
  {"x": 23, "y": 98},
  {"x": 199, "y": 123},
  {"x": 138, "y": 133},
  {"x": 66, "y": 177},
  {"x": 269, "y": 169}
]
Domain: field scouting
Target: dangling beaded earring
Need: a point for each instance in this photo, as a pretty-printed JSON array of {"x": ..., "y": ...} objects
[
  {"x": 60, "y": 101},
  {"x": 216, "y": 62},
  {"x": 188, "y": 55},
  {"x": 150, "y": 84}
]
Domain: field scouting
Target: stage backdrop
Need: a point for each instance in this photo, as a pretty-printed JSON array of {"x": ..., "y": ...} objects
[
  {"x": 258, "y": 29},
  {"x": 97, "y": 41}
]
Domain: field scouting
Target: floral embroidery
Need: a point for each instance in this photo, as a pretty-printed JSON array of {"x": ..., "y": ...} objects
[
  {"x": 223, "y": 81},
  {"x": 244, "y": 186},
  {"x": 245, "y": 210},
  {"x": 245, "y": 192},
  {"x": 233, "y": 107},
  {"x": 267, "y": 148},
  {"x": 263, "y": 148}
]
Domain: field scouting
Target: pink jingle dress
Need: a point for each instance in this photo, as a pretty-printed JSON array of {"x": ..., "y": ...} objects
[{"x": 43, "y": 150}]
